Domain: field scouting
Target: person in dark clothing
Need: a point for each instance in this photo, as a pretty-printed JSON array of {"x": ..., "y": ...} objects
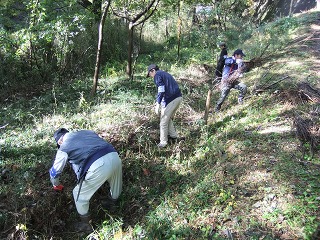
[
  {"x": 168, "y": 100},
  {"x": 222, "y": 57}
]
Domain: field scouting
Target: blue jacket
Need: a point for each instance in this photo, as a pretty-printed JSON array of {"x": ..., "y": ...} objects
[
  {"x": 230, "y": 66},
  {"x": 168, "y": 88}
]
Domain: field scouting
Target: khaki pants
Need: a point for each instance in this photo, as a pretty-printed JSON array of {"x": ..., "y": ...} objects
[
  {"x": 107, "y": 168},
  {"x": 166, "y": 123}
]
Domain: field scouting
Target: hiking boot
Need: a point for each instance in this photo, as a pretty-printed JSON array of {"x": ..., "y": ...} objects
[
  {"x": 84, "y": 224},
  {"x": 172, "y": 139},
  {"x": 109, "y": 203},
  {"x": 240, "y": 101}
]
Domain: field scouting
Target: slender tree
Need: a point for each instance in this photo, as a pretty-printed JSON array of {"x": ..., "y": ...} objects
[
  {"x": 105, "y": 8},
  {"x": 134, "y": 17},
  {"x": 179, "y": 29}
]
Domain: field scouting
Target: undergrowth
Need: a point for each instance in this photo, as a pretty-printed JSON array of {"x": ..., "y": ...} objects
[{"x": 241, "y": 176}]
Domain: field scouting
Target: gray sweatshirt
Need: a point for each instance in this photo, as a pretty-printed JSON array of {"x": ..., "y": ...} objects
[{"x": 76, "y": 148}]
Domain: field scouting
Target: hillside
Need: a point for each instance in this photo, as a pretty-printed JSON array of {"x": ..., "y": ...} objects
[{"x": 240, "y": 176}]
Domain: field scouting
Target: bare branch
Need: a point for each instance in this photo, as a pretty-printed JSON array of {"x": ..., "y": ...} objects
[{"x": 4, "y": 126}]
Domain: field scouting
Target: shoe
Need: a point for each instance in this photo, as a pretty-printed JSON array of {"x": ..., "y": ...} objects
[
  {"x": 109, "y": 203},
  {"x": 83, "y": 227},
  {"x": 240, "y": 101},
  {"x": 84, "y": 224},
  {"x": 162, "y": 145},
  {"x": 172, "y": 139},
  {"x": 217, "y": 109}
]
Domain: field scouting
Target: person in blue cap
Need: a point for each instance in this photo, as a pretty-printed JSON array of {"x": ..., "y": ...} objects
[
  {"x": 232, "y": 71},
  {"x": 94, "y": 162},
  {"x": 168, "y": 100}
]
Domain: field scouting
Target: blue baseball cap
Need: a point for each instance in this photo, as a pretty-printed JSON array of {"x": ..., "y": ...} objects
[
  {"x": 58, "y": 134},
  {"x": 239, "y": 52}
]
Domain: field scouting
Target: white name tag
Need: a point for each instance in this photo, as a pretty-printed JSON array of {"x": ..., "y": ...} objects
[{"x": 161, "y": 89}]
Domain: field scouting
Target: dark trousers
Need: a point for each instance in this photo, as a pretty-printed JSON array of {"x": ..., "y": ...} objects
[{"x": 241, "y": 87}]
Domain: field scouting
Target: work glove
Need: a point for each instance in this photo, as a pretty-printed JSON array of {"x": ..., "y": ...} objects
[
  {"x": 58, "y": 188},
  {"x": 157, "y": 108}
]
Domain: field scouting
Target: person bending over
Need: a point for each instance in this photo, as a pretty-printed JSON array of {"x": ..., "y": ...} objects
[{"x": 94, "y": 162}]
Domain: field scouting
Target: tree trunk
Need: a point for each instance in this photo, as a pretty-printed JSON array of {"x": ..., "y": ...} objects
[
  {"x": 99, "y": 50},
  {"x": 167, "y": 30},
  {"x": 290, "y": 10},
  {"x": 136, "y": 51},
  {"x": 135, "y": 21},
  {"x": 130, "y": 50},
  {"x": 179, "y": 31}
]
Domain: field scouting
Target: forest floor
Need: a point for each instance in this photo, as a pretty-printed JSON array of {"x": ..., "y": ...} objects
[{"x": 247, "y": 166}]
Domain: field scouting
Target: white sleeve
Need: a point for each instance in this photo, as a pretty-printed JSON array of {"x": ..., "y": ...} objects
[{"x": 57, "y": 167}]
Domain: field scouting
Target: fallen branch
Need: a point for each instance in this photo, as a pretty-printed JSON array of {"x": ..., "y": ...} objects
[
  {"x": 268, "y": 87},
  {"x": 4, "y": 126},
  {"x": 206, "y": 112},
  {"x": 264, "y": 50},
  {"x": 312, "y": 94}
]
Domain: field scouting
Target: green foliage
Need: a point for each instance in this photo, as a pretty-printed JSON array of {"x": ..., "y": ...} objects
[
  {"x": 113, "y": 69},
  {"x": 57, "y": 40},
  {"x": 58, "y": 43},
  {"x": 277, "y": 33},
  {"x": 39, "y": 50},
  {"x": 241, "y": 172},
  {"x": 110, "y": 229}
]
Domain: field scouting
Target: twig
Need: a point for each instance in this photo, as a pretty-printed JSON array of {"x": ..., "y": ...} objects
[
  {"x": 267, "y": 87},
  {"x": 229, "y": 234},
  {"x": 206, "y": 112},
  {"x": 138, "y": 128},
  {"x": 264, "y": 50},
  {"x": 302, "y": 38},
  {"x": 4, "y": 126}
]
